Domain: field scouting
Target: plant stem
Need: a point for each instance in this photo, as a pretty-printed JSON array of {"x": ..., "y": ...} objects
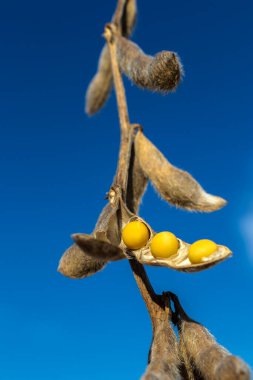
[
  {"x": 127, "y": 131},
  {"x": 151, "y": 299},
  {"x": 164, "y": 342}
]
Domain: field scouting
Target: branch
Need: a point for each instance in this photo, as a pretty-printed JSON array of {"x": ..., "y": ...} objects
[{"x": 164, "y": 345}]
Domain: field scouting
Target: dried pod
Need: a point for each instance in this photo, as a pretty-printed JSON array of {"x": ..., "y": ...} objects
[
  {"x": 207, "y": 356},
  {"x": 175, "y": 185},
  {"x": 137, "y": 183},
  {"x": 98, "y": 249},
  {"x": 180, "y": 261},
  {"x": 161, "y": 73},
  {"x": 164, "y": 356},
  {"x": 75, "y": 263},
  {"x": 100, "y": 86},
  {"x": 129, "y": 18}
]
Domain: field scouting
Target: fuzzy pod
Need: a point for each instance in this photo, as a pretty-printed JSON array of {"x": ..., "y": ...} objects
[
  {"x": 174, "y": 185},
  {"x": 93, "y": 252},
  {"x": 211, "y": 360},
  {"x": 101, "y": 84},
  {"x": 164, "y": 362},
  {"x": 164, "y": 355},
  {"x": 76, "y": 264},
  {"x": 97, "y": 248},
  {"x": 161, "y": 73},
  {"x": 129, "y": 18},
  {"x": 137, "y": 183}
]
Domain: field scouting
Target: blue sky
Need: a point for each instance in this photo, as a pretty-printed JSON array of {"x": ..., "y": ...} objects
[{"x": 57, "y": 164}]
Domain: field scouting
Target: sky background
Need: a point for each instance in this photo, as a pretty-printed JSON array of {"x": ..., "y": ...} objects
[{"x": 57, "y": 164}]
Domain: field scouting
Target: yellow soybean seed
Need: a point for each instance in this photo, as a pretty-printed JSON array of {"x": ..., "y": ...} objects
[
  {"x": 201, "y": 249},
  {"x": 164, "y": 244},
  {"x": 135, "y": 235}
]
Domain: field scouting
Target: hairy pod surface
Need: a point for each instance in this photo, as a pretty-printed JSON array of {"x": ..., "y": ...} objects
[
  {"x": 129, "y": 18},
  {"x": 160, "y": 73},
  {"x": 100, "y": 86},
  {"x": 97, "y": 248},
  {"x": 213, "y": 361},
  {"x": 137, "y": 183},
  {"x": 164, "y": 356},
  {"x": 76, "y": 263},
  {"x": 174, "y": 185},
  {"x": 92, "y": 252}
]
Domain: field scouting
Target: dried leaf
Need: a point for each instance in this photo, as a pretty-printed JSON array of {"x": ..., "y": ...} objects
[
  {"x": 160, "y": 73},
  {"x": 175, "y": 185},
  {"x": 101, "y": 84},
  {"x": 209, "y": 358}
]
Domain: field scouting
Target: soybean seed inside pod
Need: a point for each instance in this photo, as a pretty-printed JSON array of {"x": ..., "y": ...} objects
[
  {"x": 200, "y": 250},
  {"x": 164, "y": 244},
  {"x": 135, "y": 235}
]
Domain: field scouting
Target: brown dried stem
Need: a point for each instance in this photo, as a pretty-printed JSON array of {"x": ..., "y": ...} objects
[
  {"x": 126, "y": 130},
  {"x": 148, "y": 294},
  {"x": 164, "y": 344}
]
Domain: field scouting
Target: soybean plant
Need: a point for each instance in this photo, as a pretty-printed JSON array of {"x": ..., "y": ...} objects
[{"x": 196, "y": 355}]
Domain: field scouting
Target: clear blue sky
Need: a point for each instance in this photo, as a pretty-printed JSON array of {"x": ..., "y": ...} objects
[{"x": 57, "y": 164}]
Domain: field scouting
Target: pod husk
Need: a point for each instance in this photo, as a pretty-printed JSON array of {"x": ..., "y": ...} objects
[
  {"x": 161, "y": 73},
  {"x": 100, "y": 86},
  {"x": 76, "y": 264},
  {"x": 174, "y": 185},
  {"x": 92, "y": 252},
  {"x": 137, "y": 183},
  {"x": 164, "y": 355},
  {"x": 98, "y": 248},
  {"x": 200, "y": 349},
  {"x": 180, "y": 260}
]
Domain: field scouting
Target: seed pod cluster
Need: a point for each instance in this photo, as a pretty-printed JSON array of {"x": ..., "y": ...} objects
[
  {"x": 206, "y": 356},
  {"x": 169, "y": 251},
  {"x": 101, "y": 84},
  {"x": 174, "y": 185}
]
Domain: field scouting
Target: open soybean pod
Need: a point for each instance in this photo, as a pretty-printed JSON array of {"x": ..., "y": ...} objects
[
  {"x": 175, "y": 185},
  {"x": 210, "y": 359},
  {"x": 101, "y": 84},
  {"x": 178, "y": 259},
  {"x": 160, "y": 73}
]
